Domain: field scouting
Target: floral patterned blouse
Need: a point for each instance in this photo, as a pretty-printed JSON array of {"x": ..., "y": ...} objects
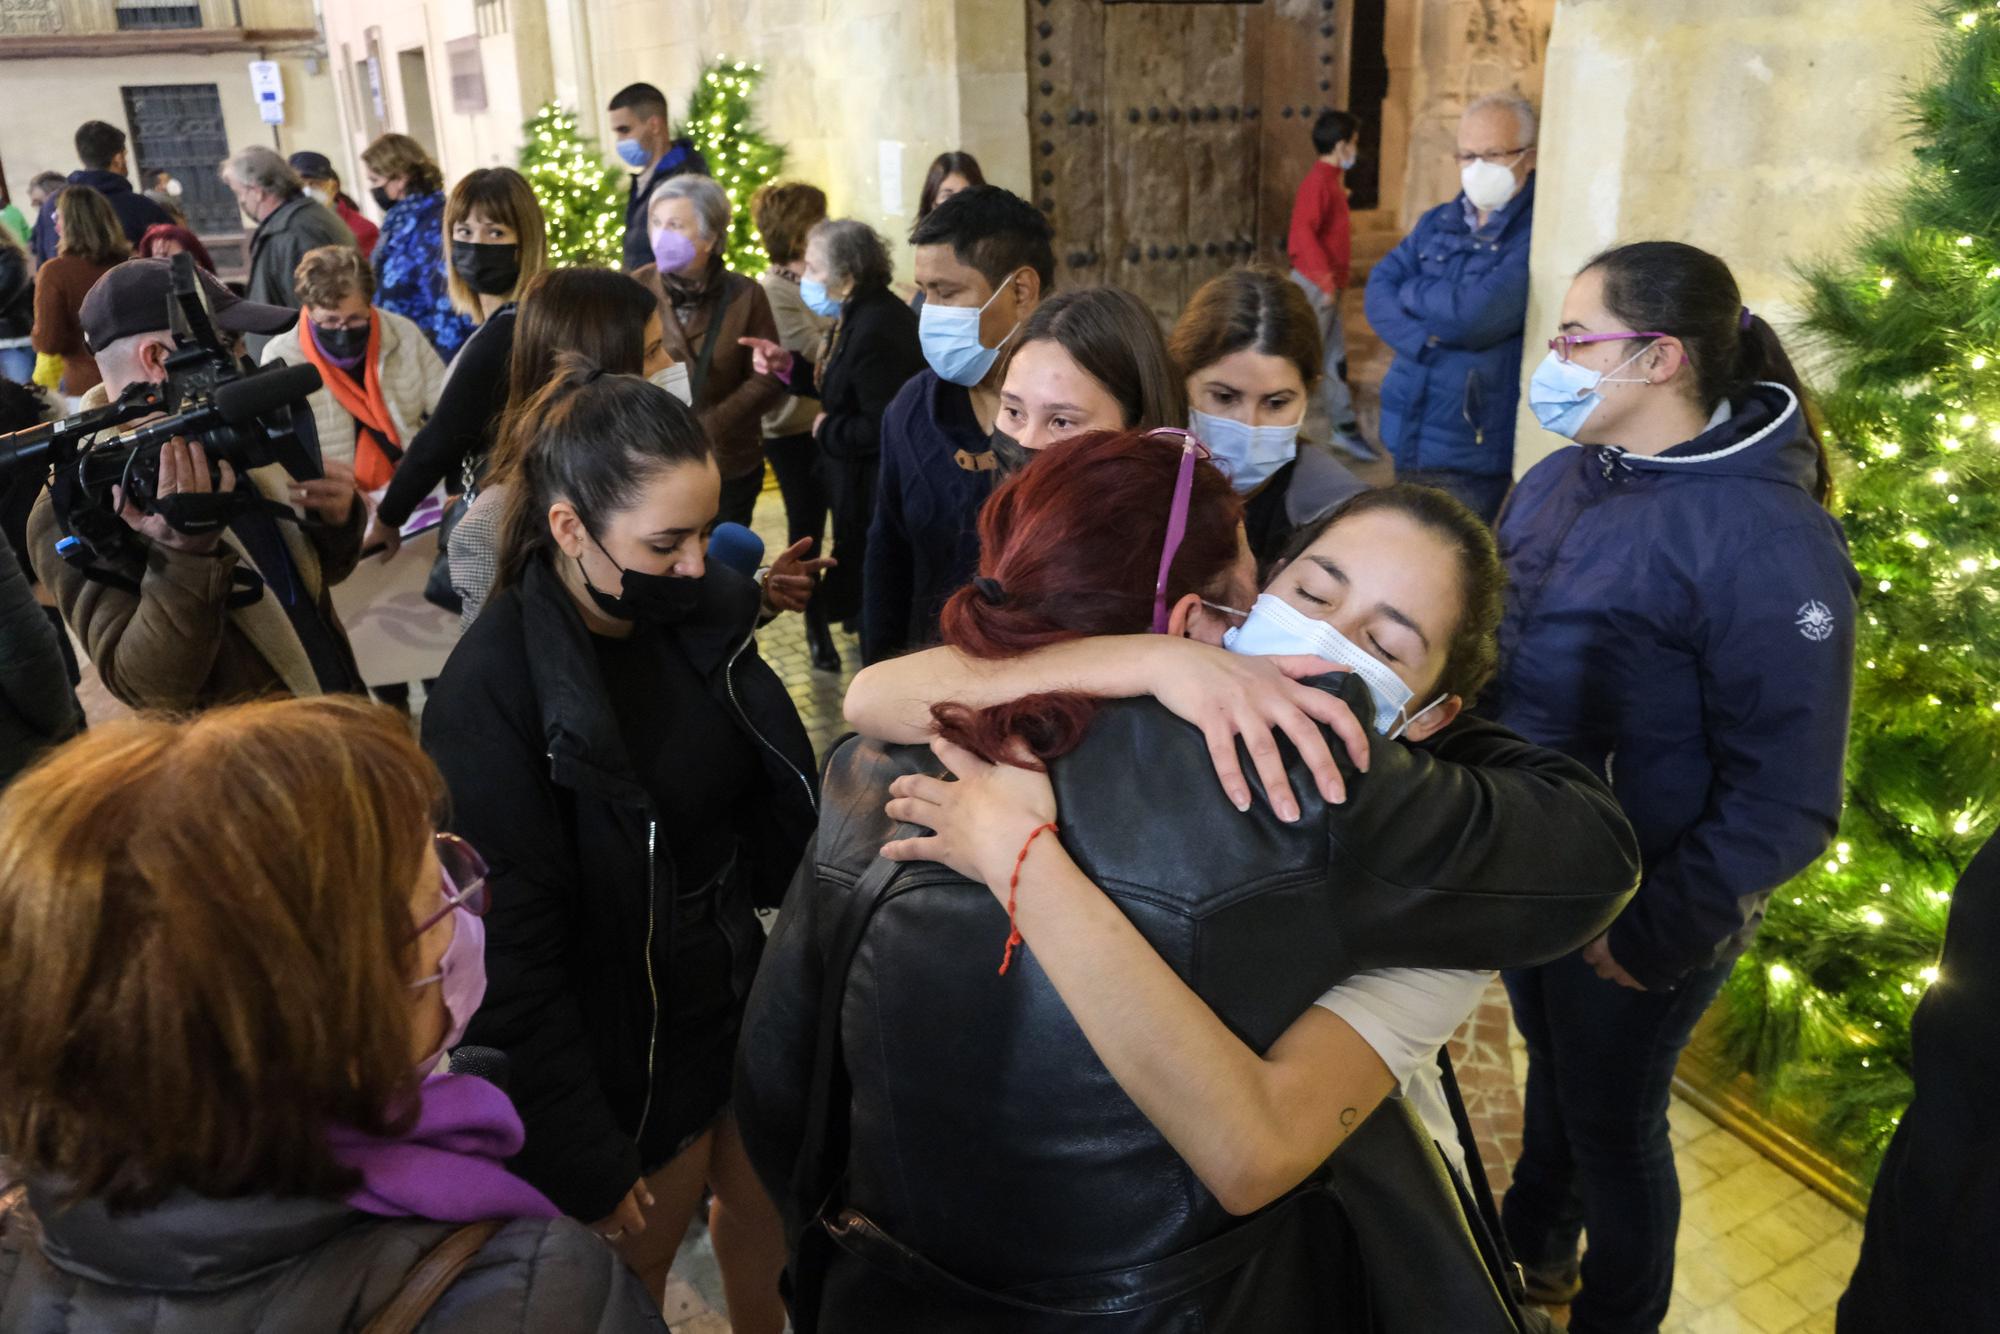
[{"x": 410, "y": 275}]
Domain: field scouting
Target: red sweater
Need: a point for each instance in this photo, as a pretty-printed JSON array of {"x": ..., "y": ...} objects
[{"x": 1320, "y": 244}]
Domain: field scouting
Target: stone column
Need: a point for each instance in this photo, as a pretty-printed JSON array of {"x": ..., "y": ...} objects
[{"x": 1752, "y": 128}]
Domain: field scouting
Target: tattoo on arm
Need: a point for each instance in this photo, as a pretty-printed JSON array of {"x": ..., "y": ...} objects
[{"x": 1348, "y": 1116}]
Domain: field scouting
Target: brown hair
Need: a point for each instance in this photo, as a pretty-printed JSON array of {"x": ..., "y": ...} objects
[
  {"x": 943, "y": 165},
  {"x": 207, "y": 929},
  {"x": 783, "y": 212},
  {"x": 1247, "y": 308},
  {"x": 330, "y": 272},
  {"x": 599, "y": 313},
  {"x": 502, "y": 195},
  {"x": 1111, "y": 335},
  {"x": 90, "y": 230},
  {"x": 394, "y": 155}
]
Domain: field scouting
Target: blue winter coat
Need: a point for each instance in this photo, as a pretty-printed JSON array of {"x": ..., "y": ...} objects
[
  {"x": 1452, "y": 303},
  {"x": 410, "y": 277},
  {"x": 1684, "y": 624}
]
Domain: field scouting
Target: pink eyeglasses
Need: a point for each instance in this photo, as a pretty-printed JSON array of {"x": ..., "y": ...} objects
[{"x": 1562, "y": 344}]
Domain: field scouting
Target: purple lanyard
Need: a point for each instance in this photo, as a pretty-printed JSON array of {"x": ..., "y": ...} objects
[{"x": 1177, "y": 518}]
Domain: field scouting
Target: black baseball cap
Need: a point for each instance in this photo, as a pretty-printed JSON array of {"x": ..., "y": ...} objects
[
  {"x": 131, "y": 298},
  {"x": 313, "y": 166}
]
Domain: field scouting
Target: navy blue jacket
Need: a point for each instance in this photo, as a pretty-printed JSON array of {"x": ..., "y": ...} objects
[
  {"x": 1452, "y": 303},
  {"x": 135, "y": 212},
  {"x": 1684, "y": 625},
  {"x": 924, "y": 543}
]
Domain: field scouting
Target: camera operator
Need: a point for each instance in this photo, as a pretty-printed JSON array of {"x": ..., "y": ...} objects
[{"x": 179, "y": 642}]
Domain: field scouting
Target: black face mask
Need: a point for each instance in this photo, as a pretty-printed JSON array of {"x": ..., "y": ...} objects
[
  {"x": 381, "y": 198},
  {"x": 344, "y": 344},
  {"x": 1009, "y": 455},
  {"x": 661, "y": 599},
  {"x": 490, "y": 270}
]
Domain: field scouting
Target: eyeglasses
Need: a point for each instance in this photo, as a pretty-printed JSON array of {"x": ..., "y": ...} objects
[
  {"x": 1499, "y": 157},
  {"x": 1563, "y": 344},
  {"x": 462, "y": 876},
  {"x": 1191, "y": 449}
]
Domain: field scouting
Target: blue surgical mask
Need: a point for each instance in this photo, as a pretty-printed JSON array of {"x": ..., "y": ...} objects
[
  {"x": 1274, "y": 627},
  {"x": 950, "y": 338},
  {"x": 633, "y": 154},
  {"x": 1248, "y": 455},
  {"x": 1563, "y": 394},
  {"x": 813, "y": 292}
]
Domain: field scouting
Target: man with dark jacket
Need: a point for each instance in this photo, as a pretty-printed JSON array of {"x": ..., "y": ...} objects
[
  {"x": 289, "y": 223},
  {"x": 1452, "y": 301},
  {"x": 645, "y": 143},
  {"x": 1927, "y": 1257},
  {"x": 181, "y": 631},
  {"x": 984, "y": 260},
  {"x": 101, "y": 149}
]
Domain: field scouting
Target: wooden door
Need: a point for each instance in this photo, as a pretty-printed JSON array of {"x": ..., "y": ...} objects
[{"x": 1168, "y": 138}]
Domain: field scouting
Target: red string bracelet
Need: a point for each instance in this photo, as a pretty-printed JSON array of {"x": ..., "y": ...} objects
[{"x": 1013, "y": 888}]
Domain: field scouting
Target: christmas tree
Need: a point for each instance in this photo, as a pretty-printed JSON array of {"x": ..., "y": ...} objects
[
  {"x": 583, "y": 202},
  {"x": 1909, "y": 327},
  {"x": 739, "y": 156}
]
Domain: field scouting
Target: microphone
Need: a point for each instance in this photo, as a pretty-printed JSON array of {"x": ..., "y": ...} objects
[
  {"x": 242, "y": 401},
  {"x": 737, "y": 548},
  {"x": 488, "y": 1063}
]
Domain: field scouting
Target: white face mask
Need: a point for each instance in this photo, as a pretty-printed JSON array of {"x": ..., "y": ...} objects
[
  {"x": 321, "y": 193},
  {"x": 1488, "y": 185},
  {"x": 1348, "y": 158},
  {"x": 1274, "y": 627},
  {"x": 674, "y": 379},
  {"x": 1248, "y": 455}
]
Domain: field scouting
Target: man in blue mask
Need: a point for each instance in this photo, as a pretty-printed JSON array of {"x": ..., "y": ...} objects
[
  {"x": 984, "y": 261},
  {"x": 1451, "y": 299},
  {"x": 645, "y": 144}
]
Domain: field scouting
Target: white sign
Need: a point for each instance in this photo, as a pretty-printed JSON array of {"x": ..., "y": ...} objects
[
  {"x": 265, "y": 79},
  {"x": 272, "y": 112},
  {"x": 889, "y": 169}
]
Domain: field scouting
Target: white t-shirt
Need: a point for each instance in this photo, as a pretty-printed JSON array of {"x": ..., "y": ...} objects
[{"x": 1406, "y": 1014}]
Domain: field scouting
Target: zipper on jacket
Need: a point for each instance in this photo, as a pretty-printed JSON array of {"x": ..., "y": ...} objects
[
  {"x": 729, "y": 683},
  {"x": 652, "y": 985}
]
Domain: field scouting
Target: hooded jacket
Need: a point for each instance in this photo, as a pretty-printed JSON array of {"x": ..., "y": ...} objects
[
  {"x": 1452, "y": 302},
  {"x": 135, "y": 212},
  {"x": 982, "y": 1131},
  {"x": 580, "y": 938},
  {"x": 301, "y": 1266},
  {"x": 1683, "y": 624}
]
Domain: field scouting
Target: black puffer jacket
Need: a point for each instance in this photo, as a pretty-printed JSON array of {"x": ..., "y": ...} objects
[
  {"x": 984, "y": 1132},
  {"x": 580, "y": 939},
  {"x": 295, "y": 1266}
]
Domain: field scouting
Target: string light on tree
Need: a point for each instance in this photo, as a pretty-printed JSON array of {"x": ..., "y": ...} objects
[
  {"x": 721, "y": 123},
  {"x": 1819, "y": 1012},
  {"x": 583, "y": 202}
]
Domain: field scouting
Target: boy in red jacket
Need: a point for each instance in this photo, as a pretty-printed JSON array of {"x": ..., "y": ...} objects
[{"x": 1321, "y": 246}]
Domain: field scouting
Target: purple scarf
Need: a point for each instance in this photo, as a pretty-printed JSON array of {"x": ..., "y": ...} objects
[{"x": 449, "y": 1166}]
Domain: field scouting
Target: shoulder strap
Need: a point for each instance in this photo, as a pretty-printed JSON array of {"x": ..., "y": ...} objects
[
  {"x": 1487, "y": 1231},
  {"x": 822, "y": 1157},
  {"x": 428, "y": 1281},
  {"x": 699, "y": 375}
]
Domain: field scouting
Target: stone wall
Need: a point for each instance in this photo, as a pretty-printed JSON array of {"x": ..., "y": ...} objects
[{"x": 1741, "y": 126}]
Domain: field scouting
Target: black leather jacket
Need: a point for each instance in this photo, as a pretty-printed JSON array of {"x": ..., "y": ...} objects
[{"x": 981, "y": 1129}]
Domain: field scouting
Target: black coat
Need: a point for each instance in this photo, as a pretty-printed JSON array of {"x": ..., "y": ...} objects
[
  {"x": 303, "y": 1266},
  {"x": 583, "y": 886},
  {"x": 984, "y": 1132},
  {"x": 17, "y": 292},
  {"x": 874, "y": 353},
  {"x": 1927, "y": 1257}
]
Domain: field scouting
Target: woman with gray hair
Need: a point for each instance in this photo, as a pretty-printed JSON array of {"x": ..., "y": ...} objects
[
  {"x": 706, "y": 309},
  {"x": 871, "y": 353}
]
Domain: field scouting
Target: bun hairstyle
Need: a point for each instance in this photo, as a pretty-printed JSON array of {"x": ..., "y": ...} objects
[
  {"x": 592, "y": 438},
  {"x": 1069, "y": 548},
  {"x": 1685, "y": 291}
]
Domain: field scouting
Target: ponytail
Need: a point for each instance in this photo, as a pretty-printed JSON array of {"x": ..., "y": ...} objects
[
  {"x": 1686, "y": 292},
  {"x": 592, "y": 438}
]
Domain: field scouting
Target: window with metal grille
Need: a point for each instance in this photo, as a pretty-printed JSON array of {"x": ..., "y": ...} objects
[
  {"x": 177, "y": 127},
  {"x": 152, "y": 15}
]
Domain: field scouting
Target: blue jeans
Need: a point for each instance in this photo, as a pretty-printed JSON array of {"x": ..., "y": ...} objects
[
  {"x": 1594, "y": 1149},
  {"x": 1482, "y": 494}
]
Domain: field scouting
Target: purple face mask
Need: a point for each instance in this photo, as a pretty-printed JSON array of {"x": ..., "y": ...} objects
[
  {"x": 672, "y": 251},
  {"x": 461, "y": 976}
]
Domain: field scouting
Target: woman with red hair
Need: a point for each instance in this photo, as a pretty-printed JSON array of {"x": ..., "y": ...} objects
[
  {"x": 1170, "y": 1049},
  {"x": 164, "y": 240}
]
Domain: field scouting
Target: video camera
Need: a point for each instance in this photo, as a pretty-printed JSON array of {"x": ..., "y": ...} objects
[{"x": 235, "y": 411}]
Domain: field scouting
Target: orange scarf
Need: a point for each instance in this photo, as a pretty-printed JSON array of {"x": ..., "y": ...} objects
[{"x": 372, "y": 467}]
